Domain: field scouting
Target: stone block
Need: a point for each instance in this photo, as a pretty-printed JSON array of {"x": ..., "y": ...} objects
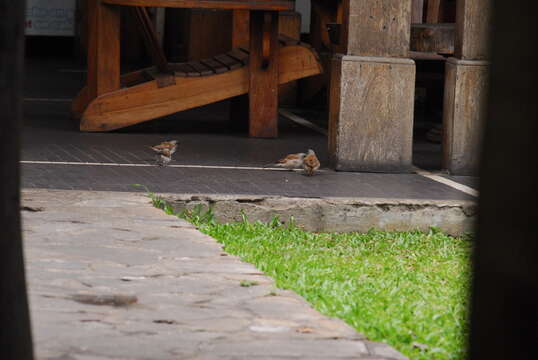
[
  {"x": 371, "y": 113},
  {"x": 465, "y": 102}
]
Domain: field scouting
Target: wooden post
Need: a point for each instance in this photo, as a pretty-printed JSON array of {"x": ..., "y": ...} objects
[
  {"x": 263, "y": 67},
  {"x": 466, "y": 84},
  {"x": 103, "y": 48},
  {"x": 417, "y": 13},
  {"x": 15, "y": 336},
  {"x": 504, "y": 309},
  {"x": 289, "y": 25},
  {"x": 372, "y": 88}
]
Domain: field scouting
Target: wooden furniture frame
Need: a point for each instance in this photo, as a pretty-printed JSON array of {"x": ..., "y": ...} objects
[{"x": 111, "y": 100}]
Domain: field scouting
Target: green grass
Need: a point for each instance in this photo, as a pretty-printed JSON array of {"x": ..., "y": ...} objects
[{"x": 408, "y": 289}]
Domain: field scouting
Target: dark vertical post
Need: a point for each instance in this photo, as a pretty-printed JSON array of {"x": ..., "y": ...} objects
[
  {"x": 504, "y": 317},
  {"x": 263, "y": 74},
  {"x": 15, "y": 334}
]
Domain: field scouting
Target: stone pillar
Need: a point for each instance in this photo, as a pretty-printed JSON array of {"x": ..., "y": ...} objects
[
  {"x": 466, "y": 84},
  {"x": 372, "y": 88}
]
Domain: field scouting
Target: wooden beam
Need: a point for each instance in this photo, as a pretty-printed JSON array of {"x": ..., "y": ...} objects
[
  {"x": 473, "y": 27},
  {"x": 268, "y": 5},
  {"x": 15, "y": 336},
  {"x": 433, "y": 38}
]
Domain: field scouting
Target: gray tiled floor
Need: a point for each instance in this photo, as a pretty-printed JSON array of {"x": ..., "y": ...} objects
[{"x": 205, "y": 139}]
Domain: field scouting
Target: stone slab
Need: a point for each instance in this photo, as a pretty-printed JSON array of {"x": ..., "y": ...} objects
[
  {"x": 337, "y": 214},
  {"x": 190, "y": 304}
]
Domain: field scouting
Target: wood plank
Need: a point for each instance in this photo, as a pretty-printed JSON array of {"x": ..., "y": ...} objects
[
  {"x": 274, "y": 5},
  {"x": 208, "y": 33},
  {"x": 202, "y": 69},
  {"x": 182, "y": 69},
  {"x": 217, "y": 67},
  {"x": 434, "y": 12},
  {"x": 241, "y": 28},
  {"x": 417, "y": 12},
  {"x": 16, "y": 337},
  {"x": 433, "y": 38},
  {"x": 239, "y": 55},
  {"x": 103, "y": 48},
  {"x": 146, "y": 101},
  {"x": 263, "y": 68},
  {"x": 228, "y": 61}
]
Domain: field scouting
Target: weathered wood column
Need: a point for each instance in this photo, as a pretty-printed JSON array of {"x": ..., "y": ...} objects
[
  {"x": 372, "y": 88},
  {"x": 466, "y": 84},
  {"x": 15, "y": 335}
]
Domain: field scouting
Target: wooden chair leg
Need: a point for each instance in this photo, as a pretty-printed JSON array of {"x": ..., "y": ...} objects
[
  {"x": 103, "y": 48},
  {"x": 263, "y": 68}
]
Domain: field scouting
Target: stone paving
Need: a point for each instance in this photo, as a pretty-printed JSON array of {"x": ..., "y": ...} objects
[{"x": 165, "y": 291}]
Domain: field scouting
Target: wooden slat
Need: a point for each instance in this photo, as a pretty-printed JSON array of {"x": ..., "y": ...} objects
[
  {"x": 228, "y": 61},
  {"x": 202, "y": 69},
  {"x": 182, "y": 69},
  {"x": 239, "y": 55},
  {"x": 217, "y": 67},
  {"x": 276, "y": 5},
  {"x": 263, "y": 67}
]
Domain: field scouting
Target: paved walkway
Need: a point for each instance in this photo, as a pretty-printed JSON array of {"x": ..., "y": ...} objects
[{"x": 111, "y": 277}]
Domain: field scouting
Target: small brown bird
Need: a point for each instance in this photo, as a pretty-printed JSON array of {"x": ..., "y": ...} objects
[
  {"x": 290, "y": 162},
  {"x": 310, "y": 163},
  {"x": 164, "y": 157},
  {"x": 171, "y": 146},
  {"x": 165, "y": 151}
]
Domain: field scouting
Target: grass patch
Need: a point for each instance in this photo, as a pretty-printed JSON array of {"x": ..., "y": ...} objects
[{"x": 408, "y": 289}]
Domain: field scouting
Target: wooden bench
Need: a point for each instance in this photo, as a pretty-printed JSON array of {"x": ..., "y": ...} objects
[{"x": 112, "y": 101}]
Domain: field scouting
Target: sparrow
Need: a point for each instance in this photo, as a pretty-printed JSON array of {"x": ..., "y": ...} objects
[
  {"x": 291, "y": 161},
  {"x": 310, "y": 163},
  {"x": 164, "y": 151},
  {"x": 164, "y": 157},
  {"x": 171, "y": 146}
]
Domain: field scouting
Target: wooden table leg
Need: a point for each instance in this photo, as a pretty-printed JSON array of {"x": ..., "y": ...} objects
[
  {"x": 239, "y": 109},
  {"x": 263, "y": 67},
  {"x": 103, "y": 48}
]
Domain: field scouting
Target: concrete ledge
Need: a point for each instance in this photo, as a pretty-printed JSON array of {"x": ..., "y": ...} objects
[{"x": 337, "y": 214}]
